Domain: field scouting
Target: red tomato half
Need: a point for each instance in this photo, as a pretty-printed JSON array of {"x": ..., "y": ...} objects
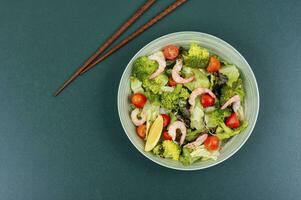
[
  {"x": 172, "y": 83},
  {"x": 207, "y": 100},
  {"x": 211, "y": 143},
  {"x": 166, "y": 136},
  {"x": 214, "y": 64},
  {"x": 232, "y": 121},
  {"x": 171, "y": 52},
  {"x": 166, "y": 119},
  {"x": 141, "y": 131},
  {"x": 139, "y": 100}
]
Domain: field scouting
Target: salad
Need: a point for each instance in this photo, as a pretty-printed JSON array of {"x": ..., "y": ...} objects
[{"x": 186, "y": 103}]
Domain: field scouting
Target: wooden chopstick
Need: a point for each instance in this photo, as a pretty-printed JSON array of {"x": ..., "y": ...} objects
[
  {"x": 108, "y": 42},
  {"x": 140, "y": 30},
  {"x": 136, "y": 33}
]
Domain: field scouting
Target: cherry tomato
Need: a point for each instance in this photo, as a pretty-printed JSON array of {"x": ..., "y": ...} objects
[
  {"x": 207, "y": 100},
  {"x": 211, "y": 143},
  {"x": 172, "y": 83},
  {"x": 166, "y": 136},
  {"x": 166, "y": 119},
  {"x": 232, "y": 121},
  {"x": 171, "y": 52},
  {"x": 214, "y": 64},
  {"x": 139, "y": 100},
  {"x": 141, "y": 131}
]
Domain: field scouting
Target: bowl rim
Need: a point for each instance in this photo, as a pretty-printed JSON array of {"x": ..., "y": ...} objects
[{"x": 253, "y": 78}]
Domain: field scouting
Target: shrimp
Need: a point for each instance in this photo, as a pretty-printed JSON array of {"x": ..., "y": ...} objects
[
  {"x": 235, "y": 101},
  {"x": 175, "y": 73},
  {"x": 135, "y": 119},
  {"x": 159, "y": 57},
  {"x": 173, "y": 131},
  {"x": 198, "y": 92},
  {"x": 200, "y": 140}
]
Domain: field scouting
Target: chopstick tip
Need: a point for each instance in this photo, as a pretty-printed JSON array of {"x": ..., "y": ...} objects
[{"x": 67, "y": 82}]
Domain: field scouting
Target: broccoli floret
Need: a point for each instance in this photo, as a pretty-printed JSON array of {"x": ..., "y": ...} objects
[
  {"x": 171, "y": 150},
  {"x": 167, "y": 149},
  {"x": 154, "y": 85},
  {"x": 170, "y": 100},
  {"x": 143, "y": 67},
  {"x": 184, "y": 94},
  {"x": 197, "y": 57},
  {"x": 158, "y": 150}
]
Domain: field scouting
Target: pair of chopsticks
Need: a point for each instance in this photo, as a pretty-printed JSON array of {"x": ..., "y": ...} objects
[{"x": 95, "y": 59}]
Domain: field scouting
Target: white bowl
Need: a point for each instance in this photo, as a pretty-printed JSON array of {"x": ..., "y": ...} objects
[{"x": 217, "y": 46}]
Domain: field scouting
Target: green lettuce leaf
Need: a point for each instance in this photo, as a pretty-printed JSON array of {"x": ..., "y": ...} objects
[
  {"x": 231, "y": 72},
  {"x": 192, "y": 135},
  {"x": 189, "y": 156},
  {"x": 197, "y": 116},
  {"x": 200, "y": 78},
  {"x": 136, "y": 85},
  {"x": 151, "y": 111},
  {"x": 215, "y": 118},
  {"x": 186, "y": 158},
  {"x": 228, "y": 132},
  {"x": 227, "y": 92}
]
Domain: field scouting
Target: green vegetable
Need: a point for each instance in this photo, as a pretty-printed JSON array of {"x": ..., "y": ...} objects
[
  {"x": 155, "y": 85},
  {"x": 217, "y": 81},
  {"x": 136, "y": 85},
  {"x": 168, "y": 72},
  {"x": 152, "y": 98},
  {"x": 192, "y": 135},
  {"x": 227, "y": 132},
  {"x": 158, "y": 150},
  {"x": 197, "y": 56},
  {"x": 143, "y": 67},
  {"x": 183, "y": 109},
  {"x": 170, "y": 100},
  {"x": 151, "y": 111},
  {"x": 201, "y": 151},
  {"x": 173, "y": 118},
  {"x": 231, "y": 72},
  {"x": 212, "y": 80},
  {"x": 170, "y": 150},
  {"x": 170, "y": 63},
  {"x": 216, "y": 117},
  {"x": 227, "y": 92},
  {"x": 197, "y": 116},
  {"x": 167, "y": 89},
  {"x": 186, "y": 158},
  {"x": 187, "y": 72},
  {"x": 189, "y": 156},
  {"x": 184, "y": 94},
  {"x": 200, "y": 79}
]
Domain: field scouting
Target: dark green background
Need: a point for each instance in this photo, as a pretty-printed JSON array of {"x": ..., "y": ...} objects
[{"x": 73, "y": 147}]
